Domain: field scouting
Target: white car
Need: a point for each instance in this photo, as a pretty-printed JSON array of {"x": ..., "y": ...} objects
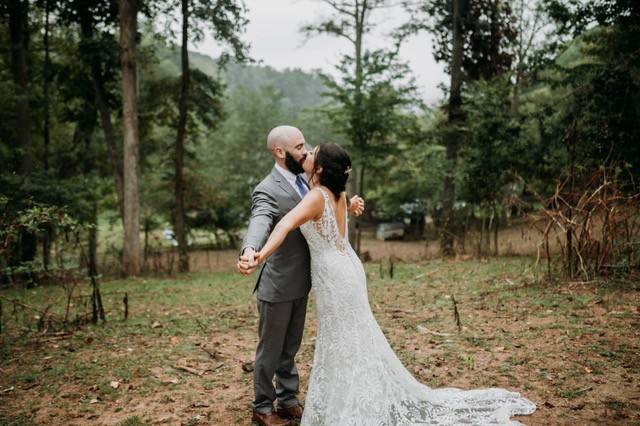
[
  {"x": 169, "y": 235},
  {"x": 391, "y": 230}
]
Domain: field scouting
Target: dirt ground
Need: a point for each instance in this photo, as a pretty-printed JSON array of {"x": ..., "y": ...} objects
[{"x": 180, "y": 358}]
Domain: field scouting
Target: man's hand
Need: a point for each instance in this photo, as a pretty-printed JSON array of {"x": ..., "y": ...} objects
[
  {"x": 356, "y": 206},
  {"x": 248, "y": 262}
]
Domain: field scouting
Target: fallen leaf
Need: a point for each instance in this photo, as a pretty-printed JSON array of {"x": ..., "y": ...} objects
[{"x": 156, "y": 324}]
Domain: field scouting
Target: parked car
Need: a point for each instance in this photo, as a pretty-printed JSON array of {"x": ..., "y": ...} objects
[
  {"x": 170, "y": 236},
  {"x": 390, "y": 230}
]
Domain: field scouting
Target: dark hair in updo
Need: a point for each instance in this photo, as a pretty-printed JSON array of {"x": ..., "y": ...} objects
[{"x": 336, "y": 166}]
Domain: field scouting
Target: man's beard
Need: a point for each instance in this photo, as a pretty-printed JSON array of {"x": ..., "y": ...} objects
[{"x": 293, "y": 166}]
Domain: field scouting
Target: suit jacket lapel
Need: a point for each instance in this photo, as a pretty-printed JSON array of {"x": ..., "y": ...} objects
[{"x": 284, "y": 184}]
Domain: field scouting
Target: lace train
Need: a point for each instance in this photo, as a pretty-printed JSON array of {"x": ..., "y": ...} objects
[{"x": 356, "y": 378}]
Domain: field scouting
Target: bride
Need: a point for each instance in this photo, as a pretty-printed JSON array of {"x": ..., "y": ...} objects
[{"x": 356, "y": 377}]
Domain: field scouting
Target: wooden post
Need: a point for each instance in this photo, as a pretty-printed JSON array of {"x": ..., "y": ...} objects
[
  {"x": 99, "y": 299},
  {"x": 94, "y": 303},
  {"x": 456, "y": 314},
  {"x": 125, "y": 300}
]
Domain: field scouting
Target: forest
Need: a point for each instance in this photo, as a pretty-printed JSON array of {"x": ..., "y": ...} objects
[{"x": 128, "y": 161}]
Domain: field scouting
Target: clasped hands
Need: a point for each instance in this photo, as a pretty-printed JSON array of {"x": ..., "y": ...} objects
[{"x": 248, "y": 261}]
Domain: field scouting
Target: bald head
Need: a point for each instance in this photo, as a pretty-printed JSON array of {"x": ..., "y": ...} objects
[
  {"x": 285, "y": 137},
  {"x": 286, "y": 144}
]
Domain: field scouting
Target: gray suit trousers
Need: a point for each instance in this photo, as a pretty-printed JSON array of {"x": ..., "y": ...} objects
[{"x": 280, "y": 335}]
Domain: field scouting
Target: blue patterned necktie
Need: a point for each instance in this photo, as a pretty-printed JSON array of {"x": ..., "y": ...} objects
[{"x": 302, "y": 186}]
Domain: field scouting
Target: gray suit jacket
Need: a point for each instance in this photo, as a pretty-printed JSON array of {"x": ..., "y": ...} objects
[{"x": 286, "y": 274}]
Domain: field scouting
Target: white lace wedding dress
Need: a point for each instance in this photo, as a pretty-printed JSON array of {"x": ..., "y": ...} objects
[{"x": 356, "y": 377}]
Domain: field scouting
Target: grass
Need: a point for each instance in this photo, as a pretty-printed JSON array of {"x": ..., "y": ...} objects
[{"x": 567, "y": 349}]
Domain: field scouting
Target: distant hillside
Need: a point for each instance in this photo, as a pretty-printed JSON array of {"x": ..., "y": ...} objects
[{"x": 300, "y": 89}]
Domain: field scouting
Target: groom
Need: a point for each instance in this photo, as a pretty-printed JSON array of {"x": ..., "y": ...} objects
[{"x": 284, "y": 281}]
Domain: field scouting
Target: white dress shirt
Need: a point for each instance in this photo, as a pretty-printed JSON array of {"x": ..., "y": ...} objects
[{"x": 291, "y": 178}]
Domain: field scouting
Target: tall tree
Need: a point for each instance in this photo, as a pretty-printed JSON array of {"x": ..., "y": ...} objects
[
  {"x": 179, "y": 222},
  {"x": 455, "y": 120},
  {"x": 369, "y": 92},
  {"x": 46, "y": 125},
  {"x": 19, "y": 39},
  {"x": 226, "y": 20},
  {"x": 127, "y": 10},
  {"x": 474, "y": 39}
]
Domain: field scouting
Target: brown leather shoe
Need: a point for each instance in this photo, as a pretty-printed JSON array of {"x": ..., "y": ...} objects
[
  {"x": 292, "y": 413},
  {"x": 268, "y": 419}
]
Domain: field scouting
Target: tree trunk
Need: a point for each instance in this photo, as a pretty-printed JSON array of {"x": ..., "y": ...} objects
[
  {"x": 48, "y": 230},
  {"x": 18, "y": 28},
  {"x": 88, "y": 169},
  {"x": 128, "y": 20},
  {"x": 482, "y": 237},
  {"x": 496, "y": 224},
  {"x": 145, "y": 250},
  {"x": 361, "y": 173},
  {"x": 183, "y": 254},
  {"x": 45, "y": 88},
  {"x": 453, "y": 134},
  {"x": 572, "y": 170},
  {"x": 352, "y": 223},
  {"x": 92, "y": 261},
  {"x": 358, "y": 142},
  {"x": 19, "y": 35}
]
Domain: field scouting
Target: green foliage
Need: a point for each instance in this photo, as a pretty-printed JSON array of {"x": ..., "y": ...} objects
[
  {"x": 369, "y": 115},
  {"x": 410, "y": 180},
  {"x": 577, "y": 110},
  {"x": 598, "y": 82},
  {"x": 32, "y": 218},
  {"x": 487, "y": 32},
  {"x": 497, "y": 150}
]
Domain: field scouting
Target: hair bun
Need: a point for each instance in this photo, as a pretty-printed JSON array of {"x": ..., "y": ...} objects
[{"x": 336, "y": 167}]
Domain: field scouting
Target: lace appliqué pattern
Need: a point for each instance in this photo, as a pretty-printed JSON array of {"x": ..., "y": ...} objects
[
  {"x": 327, "y": 226},
  {"x": 356, "y": 378}
]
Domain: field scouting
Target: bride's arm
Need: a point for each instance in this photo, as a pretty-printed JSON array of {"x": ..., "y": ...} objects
[{"x": 309, "y": 208}]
